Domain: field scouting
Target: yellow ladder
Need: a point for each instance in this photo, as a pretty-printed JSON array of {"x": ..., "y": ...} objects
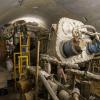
[{"x": 23, "y": 57}]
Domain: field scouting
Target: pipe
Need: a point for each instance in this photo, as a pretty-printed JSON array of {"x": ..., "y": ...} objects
[
  {"x": 89, "y": 27},
  {"x": 86, "y": 26},
  {"x": 48, "y": 87},
  {"x": 94, "y": 47},
  {"x": 57, "y": 62},
  {"x": 46, "y": 84},
  {"x": 61, "y": 74},
  {"x": 76, "y": 93},
  {"x": 63, "y": 95},
  {"x": 83, "y": 73},
  {"x": 70, "y": 48},
  {"x": 53, "y": 85},
  {"x": 47, "y": 67},
  {"x": 78, "y": 29}
]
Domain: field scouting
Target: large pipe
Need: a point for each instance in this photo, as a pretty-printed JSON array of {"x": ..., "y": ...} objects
[
  {"x": 48, "y": 87},
  {"x": 63, "y": 95},
  {"x": 70, "y": 48},
  {"x": 53, "y": 85},
  {"x": 94, "y": 47},
  {"x": 76, "y": 93},
  {"x": 89, "y": 75},
  {"x": 56, "y": 61},
  {"x": 46, "y": 84},
  {"x": 88, "y": 27},
  {"x": 92, "y": 28}
]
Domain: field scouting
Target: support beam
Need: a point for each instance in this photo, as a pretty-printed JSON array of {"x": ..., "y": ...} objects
[{"x": 37, "y": 70}]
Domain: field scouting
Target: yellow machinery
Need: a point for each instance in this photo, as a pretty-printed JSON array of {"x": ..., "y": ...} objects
[{"x": 23, "y": 57}]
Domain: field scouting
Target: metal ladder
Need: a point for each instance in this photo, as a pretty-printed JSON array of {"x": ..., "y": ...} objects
[{"x": 23, "y": 57}]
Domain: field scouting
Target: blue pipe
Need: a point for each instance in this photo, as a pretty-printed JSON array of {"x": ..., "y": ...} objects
[
  {"x": 70, "y": 50},
  {"x": 94, "y": 47}
]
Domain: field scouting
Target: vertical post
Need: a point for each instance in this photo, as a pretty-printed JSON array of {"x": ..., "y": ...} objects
[
  {"x": 21, "y": 64},
  {"x": 14, "y": 71},
  {"x": 29, "y": 46},
  {"x": 20, "y": 41},
  {"x": 20, "y": 59},
  {"x": 37, "y": 70},
  {"x": 27, "y": 62},
  {"x": 19, "y": 67}
]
